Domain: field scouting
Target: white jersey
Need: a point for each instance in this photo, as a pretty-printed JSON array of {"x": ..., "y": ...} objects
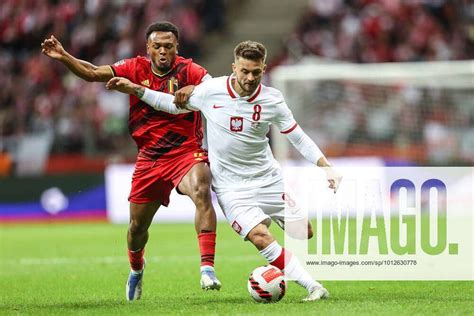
[{"x": 237, "y": 128}]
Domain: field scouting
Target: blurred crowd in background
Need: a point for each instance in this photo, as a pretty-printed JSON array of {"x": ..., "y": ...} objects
[
  {"x": 371, "y": 31},
  {"x": 428, "y": 125},
  {"x": 403, "y": 124},
  {"x": 39, "y": 95}
]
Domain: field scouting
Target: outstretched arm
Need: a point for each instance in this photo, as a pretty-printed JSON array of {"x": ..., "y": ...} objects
[
  {"x": 51, "y": 47},
  {"x": 158, "y": 100},
  {"x": 312, "y": 153}
]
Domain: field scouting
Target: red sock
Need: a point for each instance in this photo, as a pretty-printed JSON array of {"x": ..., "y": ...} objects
[
  {"x": 282, "y": 259},
  {"x": 207, "y": 247},
  {"x": 136, "y": 259}
]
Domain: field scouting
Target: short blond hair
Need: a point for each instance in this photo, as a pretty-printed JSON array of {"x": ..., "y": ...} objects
[{"x": 250, "y": 50}]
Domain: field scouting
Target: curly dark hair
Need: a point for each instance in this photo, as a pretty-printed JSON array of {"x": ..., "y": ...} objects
[{"x": 162, "y": 26}]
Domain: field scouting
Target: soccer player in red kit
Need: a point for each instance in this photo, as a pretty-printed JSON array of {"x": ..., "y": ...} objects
[{"x": 169, "y": 146}]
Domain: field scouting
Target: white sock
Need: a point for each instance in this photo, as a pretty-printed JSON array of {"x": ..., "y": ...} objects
[
  {"x": 295, "y": 271},
  {"x": 271, "y": 252}
]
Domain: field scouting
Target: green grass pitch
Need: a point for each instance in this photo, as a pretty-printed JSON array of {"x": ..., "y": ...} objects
[{"x": 61, "y": 269}]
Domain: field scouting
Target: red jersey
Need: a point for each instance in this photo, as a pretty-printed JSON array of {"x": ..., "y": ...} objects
[{"x": 158, "y": 133}]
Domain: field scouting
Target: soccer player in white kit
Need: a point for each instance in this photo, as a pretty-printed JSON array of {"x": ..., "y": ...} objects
[{"x": 245, "y": 176}]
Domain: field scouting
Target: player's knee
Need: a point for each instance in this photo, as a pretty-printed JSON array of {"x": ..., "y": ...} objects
[
  {"x": 310, "y": 232},
  {"x": 135, "y": 228},
  {"x": 200, "y": 192}
]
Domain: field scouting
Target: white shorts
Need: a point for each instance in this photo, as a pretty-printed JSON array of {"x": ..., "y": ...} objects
[{"x": 246, "y": 209}]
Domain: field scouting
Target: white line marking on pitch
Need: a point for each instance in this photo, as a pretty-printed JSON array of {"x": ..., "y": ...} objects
[{"x": 119, "y": 260}]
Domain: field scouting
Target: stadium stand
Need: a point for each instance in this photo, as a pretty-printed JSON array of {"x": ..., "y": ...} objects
[
  {"x": 421, "y": 124},
  {"x": 371, "y": 31},
  {"x": 38, "y": 95}
]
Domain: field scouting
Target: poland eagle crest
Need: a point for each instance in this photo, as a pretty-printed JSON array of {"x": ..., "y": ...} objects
[{"x": 236, "y": 123}]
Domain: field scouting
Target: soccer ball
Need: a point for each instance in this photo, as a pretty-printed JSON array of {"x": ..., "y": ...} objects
[{"x": 267, "y": 284}]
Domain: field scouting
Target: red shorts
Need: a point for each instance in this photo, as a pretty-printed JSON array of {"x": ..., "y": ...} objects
[{"x": 153, "y": 180}]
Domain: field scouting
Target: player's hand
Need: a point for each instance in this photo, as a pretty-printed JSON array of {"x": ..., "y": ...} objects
[
  {"x": 334, "y": 178},
  {"x": 52, "y": 47},
  {"x": 121, "y": 84},
  {"x": 181, "y": 97}
]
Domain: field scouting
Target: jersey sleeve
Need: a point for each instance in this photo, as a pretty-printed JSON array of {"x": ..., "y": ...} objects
[
  {"x": 197, "y": 99},
  {"x": 283, "y": 118},
  {"x": 161, "y": 101},
  {"x": 196, "y": 74},
  {"x": 124, "y": 68}
]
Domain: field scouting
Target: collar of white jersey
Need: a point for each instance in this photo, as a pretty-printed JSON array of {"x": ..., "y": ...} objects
[{"x": 233, "y": 94}]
